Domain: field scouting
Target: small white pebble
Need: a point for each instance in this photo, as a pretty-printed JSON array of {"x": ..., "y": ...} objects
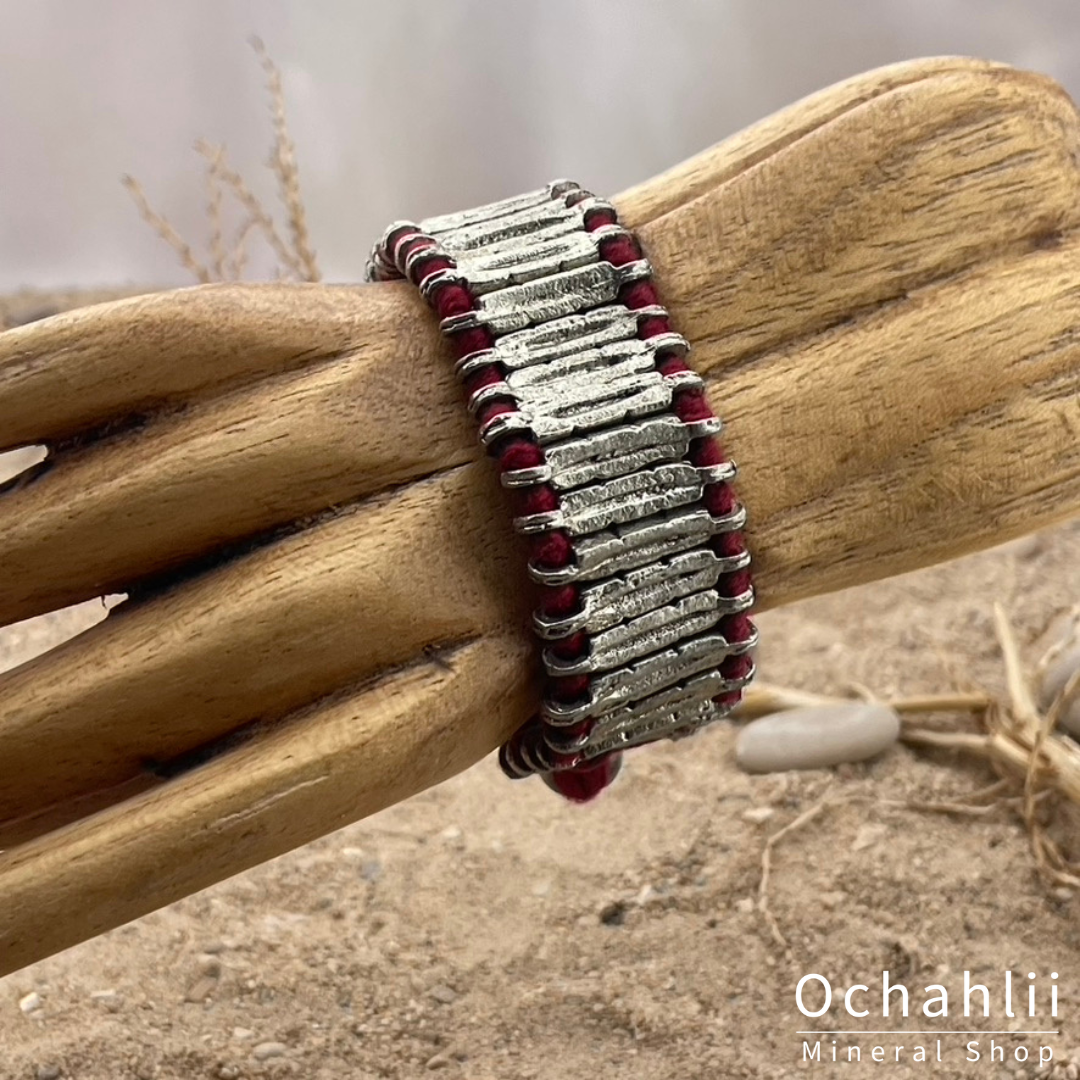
[
  {"x": 240, "y": 1033},
  {"x": 30, "y": 1002},
  {"x": 758, "y": 815},
  {"x": 745, "y": 906},
  {"x": 451, "y": 832},
  {"x": 209, "y": 965},
  {"x": 266, "y": 1050},
  {"x": 1053, "y": 682},
  {"x": 645, "y": 894},
  {"x": 443, "y": 994},
  {"x": 868, "y": 836},
  {"x": 816, "y": 737}
]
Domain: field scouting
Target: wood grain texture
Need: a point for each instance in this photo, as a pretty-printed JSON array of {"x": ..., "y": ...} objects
[{"x": 882, "y": 285}]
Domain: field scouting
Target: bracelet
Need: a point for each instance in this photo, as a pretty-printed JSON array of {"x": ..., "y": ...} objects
[{"x": 583, "y": 395}]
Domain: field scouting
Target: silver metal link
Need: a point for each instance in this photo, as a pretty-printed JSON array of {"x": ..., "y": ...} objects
[
  {"x": 643, "y": 543},
  {"x": 644, "y": 678},
  {"x": 627, "y": 498},
  {"x": 463, "y": 219},
  {"x": 537, "y": 225},
  {"x": 489, "y": 271},
  {"x": 608, "y": 602},
  {"x": 563, "y": 337},
  {"x": 519, "y": 306},
  {"x": 617, "y": 451},
  {"x": 634, "y": 638}
]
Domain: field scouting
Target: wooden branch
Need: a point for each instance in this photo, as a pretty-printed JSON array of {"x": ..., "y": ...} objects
[{"x": 881, "y": 283}]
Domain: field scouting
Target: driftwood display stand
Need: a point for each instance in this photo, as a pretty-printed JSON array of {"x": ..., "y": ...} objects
[{"x": 882, "y": 284}]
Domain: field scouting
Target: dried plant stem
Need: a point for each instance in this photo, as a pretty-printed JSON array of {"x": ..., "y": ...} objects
[
  {"x": 238, "y": 260},
  {"x": 970, "y": 742},
  {"x": 167, "y": 233},
  {"x": 1023, "y": 704},
  {"x": 213, "y": 209},
  {"x": 262, "y": 220},
  {"x": 800, "y": 822},
  {"x": 962, "y": 809},
  {"x": 761, "y": 699},
  {"x": 283, "y": 162},
  {"x": 928, "y": 703}
]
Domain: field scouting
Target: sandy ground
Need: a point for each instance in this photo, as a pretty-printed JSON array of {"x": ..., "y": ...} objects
[{"x": 488, "y": 930}]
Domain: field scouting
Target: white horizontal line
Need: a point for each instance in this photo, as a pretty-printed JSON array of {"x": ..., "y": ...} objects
[{"x": 927, "y": 1032}]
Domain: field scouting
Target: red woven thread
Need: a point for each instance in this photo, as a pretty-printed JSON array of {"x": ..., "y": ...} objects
[
  {"x": 585, "y": 780},
  {"x": 690, "y": 406},
  {"x": 550, "y": 550}
]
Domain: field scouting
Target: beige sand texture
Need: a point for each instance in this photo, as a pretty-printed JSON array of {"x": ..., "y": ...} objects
[{"x": 489, "y": 930}]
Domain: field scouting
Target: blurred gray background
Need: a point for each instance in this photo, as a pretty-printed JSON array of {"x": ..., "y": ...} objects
[{"x": 406, "y": 107}]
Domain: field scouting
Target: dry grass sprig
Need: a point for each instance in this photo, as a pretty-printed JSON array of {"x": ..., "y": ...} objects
[
  {"x": 161, "y": 226},
  {"x": 283, "y": 162},
  {"x": 761, "y": 699},
  {"x": 1066, "y": 641},
  {"x": 214, "y": 195},
  {"x": 798, "y": 823},
  {"x": 238, "y": 259},
  {"x": 296, "y": 260},
  {"x": 257, "y": 213},
  {"x": 1035, "y": 763}
]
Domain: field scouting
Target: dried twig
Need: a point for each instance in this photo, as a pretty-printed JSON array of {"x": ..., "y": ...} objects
[
  {"x": 167, "y": 233},
  {"x": 238, "y": 260},
  {"x": 255, "y": 209},
  {"x": 800, "y": 822},
  {"x": 761, "y": 699},
  {"x": 213, "y": 209},
  {"x": 1017, "y": 740},
  {"x": 283, "y": 162}
]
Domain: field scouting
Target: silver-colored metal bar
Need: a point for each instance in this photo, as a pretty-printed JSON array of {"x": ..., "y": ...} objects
[
  {"x": 518, "y": 231},
  {"x": 612, "y": 600},
  {"x": 624, "y": 498},
  {"x": 582, "y": 379},
  {"x": 674, "y": 710},
  {"x": 443, "y": 223},
  {"x": 629, "y": 353},
  {"x": 642, "y": 543},
  {"x": 514, "y": 265},
  {"x": 563, "y": 337},
  {"x": 651, "y": 399},
  {"x": 577, "y": 290},
  {"x": 638, "y": 637},
  {"x": 645, "y": 677},
  {"x": 617, "y": 451}
]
